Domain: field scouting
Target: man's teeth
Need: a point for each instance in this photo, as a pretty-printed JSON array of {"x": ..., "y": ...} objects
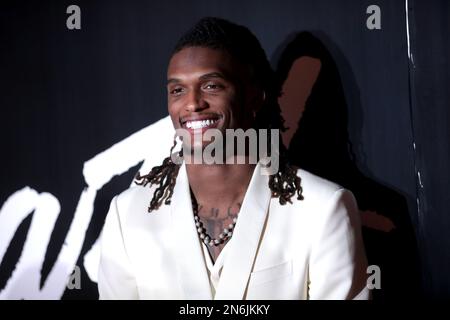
[{"x": 199, "y": 124}]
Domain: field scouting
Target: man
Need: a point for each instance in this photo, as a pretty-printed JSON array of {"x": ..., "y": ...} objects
[{"x": 228, "y": 231}]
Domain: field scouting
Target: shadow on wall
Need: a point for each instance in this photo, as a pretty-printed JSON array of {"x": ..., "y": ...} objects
[{"x": 315, "y": 109}]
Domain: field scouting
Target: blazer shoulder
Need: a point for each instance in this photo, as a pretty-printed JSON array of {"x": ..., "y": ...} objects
[
  {"x": 315, "y": 186},
  {"x": 134, "y": 199}
]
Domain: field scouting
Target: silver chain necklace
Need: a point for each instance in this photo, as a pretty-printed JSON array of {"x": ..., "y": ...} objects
[{"x": 207, "y": 239}]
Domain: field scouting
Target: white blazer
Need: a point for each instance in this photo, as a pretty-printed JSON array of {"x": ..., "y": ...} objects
[{"x": 311, "y": 249}]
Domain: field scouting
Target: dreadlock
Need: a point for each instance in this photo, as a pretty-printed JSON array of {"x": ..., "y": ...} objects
[
  {"x": 164, "y": 176},
  {"x": 241, "y": 44}
]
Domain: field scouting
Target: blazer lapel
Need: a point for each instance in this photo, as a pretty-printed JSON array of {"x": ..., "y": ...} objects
[
  {"x": 246, "y": 237},
  {"x": 192, "y": 272}
]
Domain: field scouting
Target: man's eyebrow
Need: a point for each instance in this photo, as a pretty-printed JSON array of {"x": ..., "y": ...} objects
[
  {"x": 213, "y": 75},
  {"x": 202, "y": 77},
  {"x": 173, "y": 80}
]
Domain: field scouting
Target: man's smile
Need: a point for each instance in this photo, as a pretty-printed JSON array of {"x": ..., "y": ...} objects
[{"x": 194, "y": 122}]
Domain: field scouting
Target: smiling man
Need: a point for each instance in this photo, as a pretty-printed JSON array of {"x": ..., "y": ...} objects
[{"x": 229, "y": 231}]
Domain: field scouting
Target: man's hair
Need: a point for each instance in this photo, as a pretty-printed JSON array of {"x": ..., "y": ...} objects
[{"x": 241, "y": 44}]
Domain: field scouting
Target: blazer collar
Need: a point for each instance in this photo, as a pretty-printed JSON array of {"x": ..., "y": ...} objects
[
  {"x": 193, "y": 275},
  {"x": 192, "y": 272},
  {"x": 246, "y": 238}
]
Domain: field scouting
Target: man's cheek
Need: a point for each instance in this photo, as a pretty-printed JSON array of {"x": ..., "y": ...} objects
[{"x": 175, "y": 120}]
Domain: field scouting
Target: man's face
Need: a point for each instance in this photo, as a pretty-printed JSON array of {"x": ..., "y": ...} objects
[{"x": 208, "y": 89}]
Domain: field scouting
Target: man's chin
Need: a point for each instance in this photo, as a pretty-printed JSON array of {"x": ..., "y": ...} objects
[
  {"x": 200, "y": 147},
  {"x": 204, "y": 153}
]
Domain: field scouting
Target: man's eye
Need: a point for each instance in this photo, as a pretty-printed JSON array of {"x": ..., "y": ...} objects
[
  {"x": 213, "y": 86},
  {"x": 176, "y": 91}
]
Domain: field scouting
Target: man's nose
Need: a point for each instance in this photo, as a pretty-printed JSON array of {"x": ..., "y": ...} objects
[{"x": 195, "y": 102}]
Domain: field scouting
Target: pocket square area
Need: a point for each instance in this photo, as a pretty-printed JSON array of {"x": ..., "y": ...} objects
[{"x": 271, "y": 273}]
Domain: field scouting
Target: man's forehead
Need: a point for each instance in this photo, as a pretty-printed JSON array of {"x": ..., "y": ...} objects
[{"x": 196, "y": 62}]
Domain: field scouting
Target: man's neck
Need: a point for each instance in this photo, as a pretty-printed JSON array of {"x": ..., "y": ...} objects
[{"x": 223, "y": 184}]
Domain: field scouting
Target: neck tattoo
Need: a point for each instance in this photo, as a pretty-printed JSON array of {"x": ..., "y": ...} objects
[{"x": 204, "y": 236}]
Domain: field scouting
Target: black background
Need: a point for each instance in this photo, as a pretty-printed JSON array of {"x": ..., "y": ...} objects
[{"x": 66, "y": 95}]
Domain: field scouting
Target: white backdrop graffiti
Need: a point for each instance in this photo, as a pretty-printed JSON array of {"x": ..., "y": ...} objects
[{"x": 150, "y": 144}]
